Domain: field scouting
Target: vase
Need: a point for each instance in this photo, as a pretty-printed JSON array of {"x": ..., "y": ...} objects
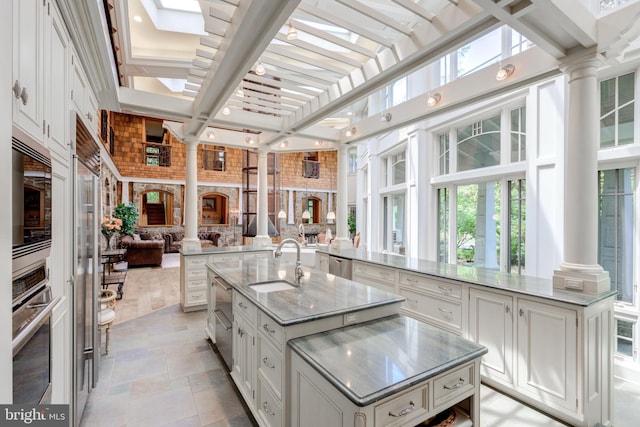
[{"x": 109, "y": 244}]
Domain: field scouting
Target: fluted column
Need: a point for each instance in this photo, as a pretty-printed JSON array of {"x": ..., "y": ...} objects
[
  {"x": 262, "y": 238},
  {"x": 342, "y": 240},
  {"x": 580, "y": 270},
  {"x": 191, "y": 242}
]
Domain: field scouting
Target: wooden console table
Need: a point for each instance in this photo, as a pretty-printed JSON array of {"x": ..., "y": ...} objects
[{"x": 114, "y": 269}]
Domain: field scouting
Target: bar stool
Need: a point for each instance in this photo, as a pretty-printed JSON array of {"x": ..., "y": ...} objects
[{"x": 106, "y": 313}]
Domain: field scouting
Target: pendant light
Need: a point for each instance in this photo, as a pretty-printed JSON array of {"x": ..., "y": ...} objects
[
  {"x": 331, "y": 215},
  {"x": 305, "y": 213},
  {"x": 282, "y": 214}
]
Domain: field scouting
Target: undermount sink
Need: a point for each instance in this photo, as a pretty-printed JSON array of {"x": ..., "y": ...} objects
[{"x": 274, "y": 286}]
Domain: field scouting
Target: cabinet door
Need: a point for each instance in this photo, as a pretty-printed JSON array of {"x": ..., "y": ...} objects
[
  {"x": 56, "y": 112},
  {"x": 491, "y": 325},
  {"x": 323, "y": 262},
  {"x": 547, "y": 365},
  {"x": 28, "y": 65},
  {"x": 243, "y": 367}
]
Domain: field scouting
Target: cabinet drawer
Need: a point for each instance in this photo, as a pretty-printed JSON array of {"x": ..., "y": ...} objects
[
  {"x": 197, "y": 272},
  {"x": 256, "y": 255},
  {"x": 402, "y": 408},
  {"x": 376, "y": 272},
  {"x": 244, "y": 307},
  {"x": 444, "y": 312},
  {"x": 197, "y": 297},
  {"x": 452, "y": 385},
  {"x": 269, "y": 328},
  {"x": 431, "y": 285},
  {"x": 270, "y": 365},
  {"x": 197, "y": 283},
  {"x": 196, "y": 261},
  {"x": 224, "y": 258},
  {"x": 269, "y": 407}
]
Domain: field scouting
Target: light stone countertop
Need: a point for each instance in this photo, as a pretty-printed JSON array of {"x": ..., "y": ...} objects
[
  {"x": 526, "y": 285},
  {"x": 319, "y": 295},
  {"x": 351, "y": 359},
  {"x": 225, "y": 250}
]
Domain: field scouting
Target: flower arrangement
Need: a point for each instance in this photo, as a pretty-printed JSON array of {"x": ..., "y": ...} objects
[{"x": 110, "y": 226}]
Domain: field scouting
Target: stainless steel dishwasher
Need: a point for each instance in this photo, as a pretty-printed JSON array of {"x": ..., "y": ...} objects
[
  {"x": 224, "y": 341},
  {"x": 340, "y": 266}
]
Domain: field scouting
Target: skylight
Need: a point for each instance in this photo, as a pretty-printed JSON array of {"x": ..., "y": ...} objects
[{"x": 182, "y": 5}]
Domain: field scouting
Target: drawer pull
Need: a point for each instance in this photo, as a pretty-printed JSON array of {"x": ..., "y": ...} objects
[
  {"x": 241, "y": 305},
  {"x": 455, "y": 386},
  {"x": 267, "y": 409},
  {"x": 410, "y": 280},
  {"x": 241, "y": 332},
  {"x": 445, "y": 290},
  {"x": 445, "y": 311},
  {"x": 403, "y": 412},
  {"x": 413, "y": 301},
  {"x": 267, "y": 329},
  {"x": 268, "y": 363}
]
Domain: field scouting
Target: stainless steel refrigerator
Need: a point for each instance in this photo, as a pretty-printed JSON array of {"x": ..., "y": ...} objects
[{"x": 86, "y": 350}]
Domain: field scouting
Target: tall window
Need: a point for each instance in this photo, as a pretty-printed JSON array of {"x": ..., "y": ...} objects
[
  {"x": 398, "y": 168},
  {"x": 394, "y": 237},
  {"x": 479, "y": 144},
  {"x": 311, "y": 165},
  {"x": 617, "y": 103},
  {"x": 616, "y": 231},
  {"x": 214, "y": 209},
  {"x": 517, "y": 222},
  {"x": 625, "y": 338},
  {"x": 157, "y": 151},
  {"x": 519, "y": 134},
  {"x": 353, "y": 160},
  {"x": 444, "y": 153},
  {"x": 214, "y": 158},
  {"x": 314, "y": 206},
  {"x": 443, "y": 225},
  {"x": 478, "y": 224}
]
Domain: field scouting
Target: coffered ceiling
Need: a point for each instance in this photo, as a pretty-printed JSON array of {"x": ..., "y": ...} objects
[{"x": 194, "y": 67}]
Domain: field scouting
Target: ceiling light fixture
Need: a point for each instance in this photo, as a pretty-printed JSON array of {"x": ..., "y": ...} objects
[
  {"x": 433, "y": 99},
  {"x": 211, "y": 135},
  {"x": 240, "y": 93},
  {"x": 292, "y": 33},
  {"x": 351, "y": 132},
  {"x": 260, "y": 71},
  {"x": 282, "y": 214},
  {"x": 318, "y": 143},
  {"x": 249, "y": 140},
  {"x": 226, "y": 110},
  {"x": 137, "y": 18},
  {"x": 505, "y": 71},
  {"x": 385, "y": 117},
  {"x": 284, "y": 144}
]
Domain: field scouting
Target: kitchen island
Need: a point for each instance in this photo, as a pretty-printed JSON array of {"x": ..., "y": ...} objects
[
  {"x": 265, "y": 320},
  {"x": 551, "y": 348}
]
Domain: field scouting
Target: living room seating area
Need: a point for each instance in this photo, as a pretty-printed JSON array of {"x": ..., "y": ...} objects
[{"x": 173, "y": 240}]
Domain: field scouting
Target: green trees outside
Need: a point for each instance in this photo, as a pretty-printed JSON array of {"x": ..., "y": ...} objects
[{"x": 128, "y": 213}]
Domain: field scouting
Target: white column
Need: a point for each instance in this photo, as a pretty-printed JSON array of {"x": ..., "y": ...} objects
[
  {"x": 580, "y": 270},
  {"x": 262, "y": 238},
  {"x": 342, "y": 240},
  {"x": 291, "y": 213},
  {"x": 125, "y": 191},
  {"x": 191, "y": 243}
]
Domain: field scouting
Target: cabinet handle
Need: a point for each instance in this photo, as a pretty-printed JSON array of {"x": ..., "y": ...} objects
[
  {"x": 24, "y": 96},
  {"x": 241, "y": 332},
  {"x": 404, "y": 411},
  {"x": 410, "y": 280},
  {"x": 266, "y": 328},
  {"x": 241, "y": 305},
  {"x": 521, "y": 311},
  {"x": 415, "y": 301},
  {"x": 267, "y": 409},
  {"x": 16, "y": 89},
  {"x": 507, "y": 309},
  {"x": 268, "y": 363},
  {"x": 455, "y": 386},
  {"x": 445, "y": 290},
  {"x": 445, "y": 311}
]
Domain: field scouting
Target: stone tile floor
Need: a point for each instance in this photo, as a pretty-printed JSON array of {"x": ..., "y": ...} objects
[{"x": 162, "y": 372}]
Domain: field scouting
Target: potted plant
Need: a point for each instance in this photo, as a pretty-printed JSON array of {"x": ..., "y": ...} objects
[
  {"x": 351, "y": 224},
  {"x": 109, "y": 227},
  {"x": 128, "y": 214}
]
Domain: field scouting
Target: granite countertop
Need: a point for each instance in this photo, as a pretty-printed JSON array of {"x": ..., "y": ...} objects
[
  {"x": 526, "y": 285},
  {"x": 373, "y": 360},
  {"x": 319, "y": 295},
  {"x": 225, "y": 250}
]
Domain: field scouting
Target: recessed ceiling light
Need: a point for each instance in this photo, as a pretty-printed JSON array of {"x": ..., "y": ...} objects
[
  {"x": 226, "y": 110},
  {"x": 137, "y": 18},
  {"x": 260, "y": 69}
]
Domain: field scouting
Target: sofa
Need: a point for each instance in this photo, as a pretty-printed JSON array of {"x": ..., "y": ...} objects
[
  {"x": 148, "y": 250},
  {"x": 173, "y": 240}
]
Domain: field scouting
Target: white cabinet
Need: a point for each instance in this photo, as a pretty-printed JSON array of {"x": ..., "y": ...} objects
[
  {"x": 322, "y": 262},
  {"x": 28, "y": 66},
  {"x": 547, "y": 361},
  {"x": 384, "y": 278},
  {"x": 82, "y": 96},
  {"x": 491, "y": 325},
  {"x": 244, "y": 350},
  {"x": 193, "y": 282}
]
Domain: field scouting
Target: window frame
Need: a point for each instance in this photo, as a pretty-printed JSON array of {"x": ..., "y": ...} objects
[{"x": 217, "y": 197}]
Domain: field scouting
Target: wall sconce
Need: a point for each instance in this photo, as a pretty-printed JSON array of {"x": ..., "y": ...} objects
[
  {"x": 249, "y": 140},
  {"x": 318, "y": 143},
  {"x": 292, "y": 33},
  {"x": 386, "y": 117},
  {"x": 211, "y": 135},
  {"x": 433, "y": 99},
  {"x": 260, "y": 71},
  {"x": 505, "y": 71},
  {"x": 351, "y": 132},
  {"x": 284, "y": 144},
  {"x": 226, "y": 110}
]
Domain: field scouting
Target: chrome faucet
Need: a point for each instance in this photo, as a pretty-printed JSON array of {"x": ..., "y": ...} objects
[{"x": 278, "y": 252}]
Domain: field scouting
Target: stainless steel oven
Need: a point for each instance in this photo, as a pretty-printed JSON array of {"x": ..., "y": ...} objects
[{"x": 31, "y": 344}]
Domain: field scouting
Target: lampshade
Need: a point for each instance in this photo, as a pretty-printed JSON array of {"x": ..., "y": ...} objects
[
  {"x": 331, "y": 216},
  {"x": 306, "y": 215},
  {"x": 282, "y": 214}
]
